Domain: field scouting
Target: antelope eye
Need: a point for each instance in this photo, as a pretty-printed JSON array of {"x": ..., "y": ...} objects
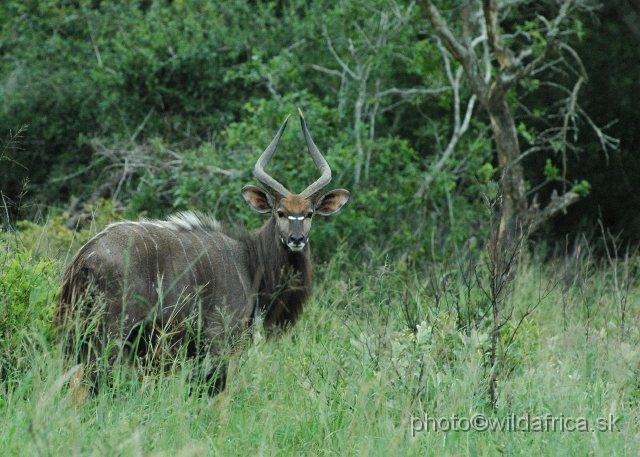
[
  {"x": 281, "y": 214},
  {"x": 310, "y": 214}
]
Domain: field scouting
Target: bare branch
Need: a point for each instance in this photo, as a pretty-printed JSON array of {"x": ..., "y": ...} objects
[
  {"x": 606, "y": 141},
  {"x": 528, "y": 152},
  {"x": 546, "y": 66},
  {"x": 221, "y": 171},
  {"x": 335, "y": 55},
  {"x": 459, "y": 126},
  {"x": 576, "y": 57},
  {"x": 502, "y": 52},
  {"x": 556, "y": 205},
  {"x": 328, "y": 71},
  {"x": 629, "y": 15},
  {"x": 142, "y": 124},
  {"x": 551, "y": 37},
  {"x": 414, "y": 91},
  {"x": 569, "y": 116},
  {"x": 449, "y": 39}
]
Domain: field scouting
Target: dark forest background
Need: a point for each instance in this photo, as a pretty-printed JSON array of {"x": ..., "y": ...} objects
[{"x": 162, "y": 106}]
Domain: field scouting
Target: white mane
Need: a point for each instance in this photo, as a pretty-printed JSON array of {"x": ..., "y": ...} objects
[
  {"x": 190, "y": 220},
  {"x": 182, "y": 221}
]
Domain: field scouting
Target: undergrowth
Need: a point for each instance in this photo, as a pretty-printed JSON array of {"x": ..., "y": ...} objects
[{"x": 387, "y": 356}]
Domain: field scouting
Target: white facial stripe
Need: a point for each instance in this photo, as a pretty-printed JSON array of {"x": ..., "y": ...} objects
[
  {"x": 296, "y": 247},
  {"x": 294, "y": 218}
]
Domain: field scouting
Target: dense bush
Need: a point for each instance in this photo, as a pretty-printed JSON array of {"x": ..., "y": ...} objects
[
  {"x": 120, "y": 71},
  {"x": 141, "y": 101},
  {"x": 28, "y": 291},
  {"x": 210, "y": 177}
]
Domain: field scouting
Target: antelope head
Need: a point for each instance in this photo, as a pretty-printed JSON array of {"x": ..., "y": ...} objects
[{"x": 293, "y": 213}]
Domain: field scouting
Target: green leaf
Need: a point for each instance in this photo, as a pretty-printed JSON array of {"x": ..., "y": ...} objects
[
  {"x": 551, "y": 172},
  {"x": 524, "y": 133},
  {"x": 486, "y": 172},
  {"x": 583, "y": 188}
]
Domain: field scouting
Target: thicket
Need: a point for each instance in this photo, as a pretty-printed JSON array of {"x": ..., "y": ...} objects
[{"x": 163, "y": 106}]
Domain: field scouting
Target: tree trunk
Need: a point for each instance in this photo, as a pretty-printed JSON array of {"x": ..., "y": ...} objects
[
  {"x": 514, "y": 204},
  {"x": 517, "y": 216}
]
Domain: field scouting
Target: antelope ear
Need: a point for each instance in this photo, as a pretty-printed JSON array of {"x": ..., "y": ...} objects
[
  {"x": 257, "y": 199},
  {"x": 332, "y": 201}
]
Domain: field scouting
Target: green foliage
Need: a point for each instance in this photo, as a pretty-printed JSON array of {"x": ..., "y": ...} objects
[
  {"x": 486, "y": 172},
  {"x": 525, "y": 133},
  {"x": 53, "y": 239},
  {"x": 28, "y": 291},
  {"x": 210, "y": 178},
  {"x": 578, "y": 27},
  {"x": 124, "y": 70},
  {"x": 583, "y": 188},
  {"x": 531, "y": 29},
  {"x": 164, "y": 105},
  {"x": 551, "y": 172}
]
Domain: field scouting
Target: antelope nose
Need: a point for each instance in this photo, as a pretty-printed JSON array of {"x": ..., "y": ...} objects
[{"x": 296, "y": 239}]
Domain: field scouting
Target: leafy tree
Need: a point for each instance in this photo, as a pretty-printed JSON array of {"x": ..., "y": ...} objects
[
  {"x": 123, "y": 72},
  {"x": 163, "y": 105},
  {"x": 496, "y": 59}
]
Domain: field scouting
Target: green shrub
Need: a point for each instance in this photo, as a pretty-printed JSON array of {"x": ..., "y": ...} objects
[
  {"x": 209, "y": 178},
  {"x": 28, "y": 292}
]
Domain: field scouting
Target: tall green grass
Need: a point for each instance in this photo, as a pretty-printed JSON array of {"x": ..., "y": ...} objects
[{"x": 381, "y": 345}]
